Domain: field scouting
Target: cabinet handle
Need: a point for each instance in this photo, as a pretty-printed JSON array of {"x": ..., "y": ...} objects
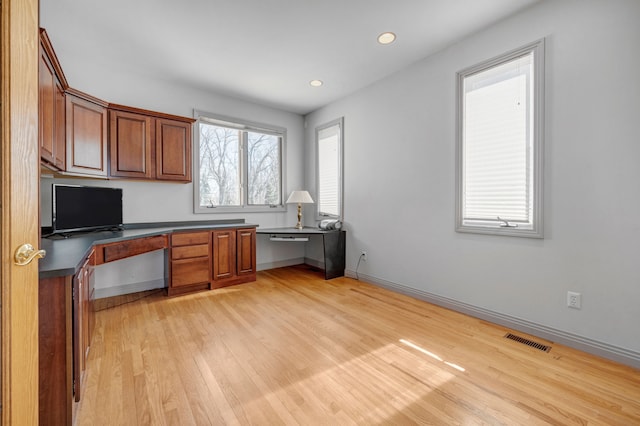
[{"x": 26, "y": 253}]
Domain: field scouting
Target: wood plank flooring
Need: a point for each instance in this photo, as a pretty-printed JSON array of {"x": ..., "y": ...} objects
[{"x": 292, "y": 349}]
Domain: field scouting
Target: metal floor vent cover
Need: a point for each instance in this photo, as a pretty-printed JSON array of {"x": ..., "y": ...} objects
[{"x": 528, "y": 342}]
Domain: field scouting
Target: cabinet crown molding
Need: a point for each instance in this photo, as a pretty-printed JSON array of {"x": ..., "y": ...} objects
[
  {"x": 45, "y": 42},
  {"x": 155, "y": 114}
]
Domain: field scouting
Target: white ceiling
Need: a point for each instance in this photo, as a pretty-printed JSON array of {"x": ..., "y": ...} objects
[{"x": 265, "y": 51}]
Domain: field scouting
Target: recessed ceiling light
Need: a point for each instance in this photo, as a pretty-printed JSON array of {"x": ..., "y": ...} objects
[
  {"x": 386, "y": 38},
  {"x": 316, "y": 83}
]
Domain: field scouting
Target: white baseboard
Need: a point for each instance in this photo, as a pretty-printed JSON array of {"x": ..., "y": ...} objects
[
  {"x": 102, "y": 293},
  {"x": 605, "y": 350}
]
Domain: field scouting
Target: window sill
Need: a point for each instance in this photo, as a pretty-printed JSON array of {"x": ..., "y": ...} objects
[
  {"x": 216, "y": 210},
  {"x": 504, "y": 231}
]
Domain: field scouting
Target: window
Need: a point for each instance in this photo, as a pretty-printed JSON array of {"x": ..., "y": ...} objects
[
  {"x": 239, "y": 166},
  {"x": 499, "y": 146},
  {"x": 329, "y": 169}
]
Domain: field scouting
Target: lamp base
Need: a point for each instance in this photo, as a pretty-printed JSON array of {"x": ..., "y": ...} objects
[{"x": 299, "y": 224}]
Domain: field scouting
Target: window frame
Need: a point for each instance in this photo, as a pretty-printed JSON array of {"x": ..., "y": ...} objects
[
  {"x": 319, "y": 214},
  {"x": 244, "y": 126},
  {"x": 535, "y": 230}
]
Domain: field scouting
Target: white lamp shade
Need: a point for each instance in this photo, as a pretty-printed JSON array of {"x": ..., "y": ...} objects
[{"x": 301, "y": 197}]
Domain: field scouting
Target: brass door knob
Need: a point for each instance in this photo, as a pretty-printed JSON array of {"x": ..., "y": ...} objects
[{"x": 26, "y": 253}]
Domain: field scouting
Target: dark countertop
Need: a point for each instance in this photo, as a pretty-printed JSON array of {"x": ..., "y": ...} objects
[{"x": 65, "y": 255}]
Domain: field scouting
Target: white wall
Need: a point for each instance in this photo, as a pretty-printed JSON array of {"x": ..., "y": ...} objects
[{"x": 399, "y": 178}]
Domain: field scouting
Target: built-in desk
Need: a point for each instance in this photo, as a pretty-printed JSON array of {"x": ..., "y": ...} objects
[
  {"x": 216, "y": 253},
  {"x": 333, "y": 243}
]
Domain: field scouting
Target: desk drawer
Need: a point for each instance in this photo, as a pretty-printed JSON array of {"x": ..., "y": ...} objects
[
  {"x": 190, "y": 271},
  {"x": 189, "y": 238},
  {"x": 124, "y": 249},
  {"x": 187, "y": 252}
]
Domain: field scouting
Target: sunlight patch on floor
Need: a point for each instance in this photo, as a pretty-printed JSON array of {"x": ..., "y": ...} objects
[
  {"x": 311, "y": 395},
  {"x": 431, "y": 354}
]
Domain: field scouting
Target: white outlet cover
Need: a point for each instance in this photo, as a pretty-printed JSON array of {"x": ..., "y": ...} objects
[{"x": 574, "y": 300}]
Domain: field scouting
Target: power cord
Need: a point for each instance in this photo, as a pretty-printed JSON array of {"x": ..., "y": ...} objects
[{"x": 358, "y": 265}]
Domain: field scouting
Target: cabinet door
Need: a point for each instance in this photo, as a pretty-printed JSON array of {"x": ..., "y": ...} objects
[
  {"x": 78, "y": 332},
  {"x": 173, "y": 150},
  {"x": 81, "y": 318},
  {"x": 84, "y": 297},
  {"x": 130, "y": 141},
  {"x": 246, "y": 251},
  {"x": 52, "y": 114},
  {"x": 224, "y": 254},
  {"x": 86, "y": 137},
  {"x": 91, "y": 322},
  {"x": 55, "y": 336},
  {"x": 59, "y": 127},
  {"x": 46, "y": 104}
]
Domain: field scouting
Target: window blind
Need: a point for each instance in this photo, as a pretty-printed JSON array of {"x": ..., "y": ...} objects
[
  {"x": 497, "y": 143},
  {"x": 329, "y": 171}
]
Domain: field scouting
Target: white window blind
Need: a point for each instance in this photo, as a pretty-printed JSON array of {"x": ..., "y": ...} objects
[
  {"x": 500, "y": 143},
  {"x": 497, "y": 143},
  {"x": 329, "y": 166}
]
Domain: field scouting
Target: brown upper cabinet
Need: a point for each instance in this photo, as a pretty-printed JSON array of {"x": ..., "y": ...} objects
[
  {"x": 51, "y": 92},
  {"x": 173, "y": 150},
  {"x": 60, "y": 127},
  {"x": 149, "y": 145},
  {"x": 84, "y": 136},
  {"x": 130, "y": 144}
]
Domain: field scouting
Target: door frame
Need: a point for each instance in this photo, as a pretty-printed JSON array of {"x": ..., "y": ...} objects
[{"x": 19, "y": 211}]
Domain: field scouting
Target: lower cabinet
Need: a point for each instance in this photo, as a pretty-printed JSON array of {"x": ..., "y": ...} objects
[
  {"x": 65, "y": 326},
  {"x": 189, "y": 264},
  {"x": 234, "y": 256},
  {"x": 55, "y": 350},
  {"x": 211, "y": 259}
]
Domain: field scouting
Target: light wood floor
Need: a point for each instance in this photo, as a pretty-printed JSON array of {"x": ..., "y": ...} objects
[{"x": 292, "y": 348}]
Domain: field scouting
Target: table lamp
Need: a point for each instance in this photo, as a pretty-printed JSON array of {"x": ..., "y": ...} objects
[{"x": 299, "y": 197}]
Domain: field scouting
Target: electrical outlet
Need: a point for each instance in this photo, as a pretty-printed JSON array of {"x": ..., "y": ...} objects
[
  {"x": 574, "y": 300},
  {"x": 363, "y": 255}
]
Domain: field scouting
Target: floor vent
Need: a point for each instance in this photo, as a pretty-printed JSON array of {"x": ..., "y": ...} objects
[{"x": 528, "y": 342}]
